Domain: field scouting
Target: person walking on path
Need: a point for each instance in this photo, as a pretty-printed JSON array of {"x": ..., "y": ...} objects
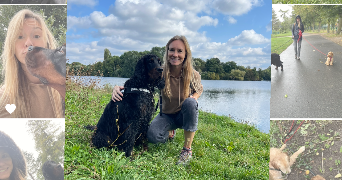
[{"x": 297, "y": 30}]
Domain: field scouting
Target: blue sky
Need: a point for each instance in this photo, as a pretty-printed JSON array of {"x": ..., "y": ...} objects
[{"x": 237, "y": 31}]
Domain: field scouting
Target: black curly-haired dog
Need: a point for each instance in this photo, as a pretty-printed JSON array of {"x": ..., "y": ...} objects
[
  {"x": 124, "y": 124},
  {"x": 52, "y": 171},
  {"x": 275, "y": 60}
]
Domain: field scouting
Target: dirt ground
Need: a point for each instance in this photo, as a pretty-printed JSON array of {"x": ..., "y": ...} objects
[
  {"x": 333, "y": 38},
  {"x": 323, "y": 147}
]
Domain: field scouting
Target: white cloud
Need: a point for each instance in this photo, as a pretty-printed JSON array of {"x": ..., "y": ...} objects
[
  {"x": 248, "y": 37},
  {"x": 140, "y": 25},
  {"x": 90, "y": 3},
  {"x": 78, "y": 22},
  {"x": 269, "y": 26},
  {"x": 230, "y": 7},
  {"x": 231, "y": 20}
]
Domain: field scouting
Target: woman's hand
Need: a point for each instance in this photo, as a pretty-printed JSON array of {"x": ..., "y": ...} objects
[
  {"x": 116, "y": 96},
  {"x": 195, "y": 96}
]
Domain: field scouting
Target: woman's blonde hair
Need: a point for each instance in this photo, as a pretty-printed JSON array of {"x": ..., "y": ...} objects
[
  {"x": 186, "y": 70},
  {"x": 15, "y": 82}
]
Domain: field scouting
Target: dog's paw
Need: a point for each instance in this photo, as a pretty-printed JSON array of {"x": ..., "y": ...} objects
[{"x": 302, "y": 149}]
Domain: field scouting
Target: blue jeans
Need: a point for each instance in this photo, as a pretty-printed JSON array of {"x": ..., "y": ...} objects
[
  {"x": 186, "y": 118},
  {"x": 297, "y": 53}
]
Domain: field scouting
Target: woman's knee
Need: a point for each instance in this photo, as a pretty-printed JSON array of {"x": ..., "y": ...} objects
[{"x": 190, "y": 103}]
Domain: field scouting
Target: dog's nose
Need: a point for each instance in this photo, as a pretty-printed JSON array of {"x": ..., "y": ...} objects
[
  {"x": 30, "y": 48},
  {"x": 160, "y": 70}
]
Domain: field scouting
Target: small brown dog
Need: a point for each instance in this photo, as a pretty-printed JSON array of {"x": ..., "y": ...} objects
[
  {"x": 280, "y": 162},
  {"x": 330, "y": 59},
  {"x": 317, "y": 177}
]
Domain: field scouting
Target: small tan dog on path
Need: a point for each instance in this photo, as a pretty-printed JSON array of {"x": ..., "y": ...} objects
[
  {"x": 330, "y": 59},
  {"x": 317, "y": 177},
  {"x": 280, "y": 162}
]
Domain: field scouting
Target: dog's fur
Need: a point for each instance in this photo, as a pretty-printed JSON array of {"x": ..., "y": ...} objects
[
  {"x": 281, "y": 161},
  {"x": 330, "y": 59},
  {"x": 49, "y": 65},
  {"x": 133, "y": 113},
  {"x": 275, "y": 60},
  {"x": 52, "y": 171},
  {"x": 317, "y": 177}
]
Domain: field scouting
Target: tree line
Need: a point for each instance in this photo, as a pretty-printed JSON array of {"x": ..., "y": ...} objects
[
  {"x": 211, "y": 69},
  {"x": 314, "y": 17}
]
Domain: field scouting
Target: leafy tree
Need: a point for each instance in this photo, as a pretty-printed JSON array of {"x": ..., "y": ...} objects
[
  {"x": 236, "y": 74},
  {"x": 49, "y": 144},
  {"x": 275, "y": 21}
]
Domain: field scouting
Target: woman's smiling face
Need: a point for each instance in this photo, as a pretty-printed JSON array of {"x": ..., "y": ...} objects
[
  {"x": 29, "y": 35},
  {"x": 176, "y": 52},
  {"x": 6, "y": 165}
]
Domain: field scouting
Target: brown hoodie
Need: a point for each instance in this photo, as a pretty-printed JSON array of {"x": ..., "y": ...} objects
[{"x": 173, "y": 104}]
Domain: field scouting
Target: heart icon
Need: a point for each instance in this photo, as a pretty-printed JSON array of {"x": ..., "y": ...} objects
[{"x": 10, "y": 108}]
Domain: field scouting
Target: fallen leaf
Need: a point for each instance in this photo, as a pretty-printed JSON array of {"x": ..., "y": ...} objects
[
  {"x": 317, "y": 154},
  {"x": 286, "y": 95},
  {"x": 338, "y": 175},
  {"x": 307, "y": 172}
]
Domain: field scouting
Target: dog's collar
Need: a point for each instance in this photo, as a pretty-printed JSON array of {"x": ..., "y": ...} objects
[{"x": 136, "y": 90}]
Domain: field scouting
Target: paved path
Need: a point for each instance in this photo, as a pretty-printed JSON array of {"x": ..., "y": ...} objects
[{"x": 314, "y": 90}]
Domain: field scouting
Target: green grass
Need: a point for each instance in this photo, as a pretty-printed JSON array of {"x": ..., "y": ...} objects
[
  {"x": 279, "y": 44},
  {"x": 281, "y": 35},
  {"x": 222, "y": 148}
]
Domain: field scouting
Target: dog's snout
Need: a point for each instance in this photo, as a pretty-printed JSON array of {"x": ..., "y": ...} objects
[
  {"x": 30, "y": 48},
  {"x": 160, "y": 70}
]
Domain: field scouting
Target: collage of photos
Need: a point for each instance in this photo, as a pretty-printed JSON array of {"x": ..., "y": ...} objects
[
  {"x": 305, "y": 99},
  {"x": 154, "y": 89}
]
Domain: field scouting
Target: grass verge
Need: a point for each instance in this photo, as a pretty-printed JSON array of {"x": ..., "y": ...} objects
[
  {"x": 279, "y": 44},
  {"x": 222, "y": 148}
]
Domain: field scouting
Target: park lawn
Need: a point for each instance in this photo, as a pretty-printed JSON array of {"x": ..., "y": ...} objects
[
  {"x": 279, "y": 44},
  {"x": 222, "y": 147},
  {"x": 281, "y": 35}
]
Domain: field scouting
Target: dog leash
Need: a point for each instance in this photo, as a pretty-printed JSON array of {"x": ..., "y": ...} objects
[
  {"x": 291, "y": 130},
  {"x": 313, "y": 46}
]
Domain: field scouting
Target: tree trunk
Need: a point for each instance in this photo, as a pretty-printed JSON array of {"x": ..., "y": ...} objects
[{"x": 338, "y": 31}]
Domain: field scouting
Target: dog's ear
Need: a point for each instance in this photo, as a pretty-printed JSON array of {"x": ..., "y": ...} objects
[
  {"x": 275, "y": 165},
  {"x": 140, "y": 68}
]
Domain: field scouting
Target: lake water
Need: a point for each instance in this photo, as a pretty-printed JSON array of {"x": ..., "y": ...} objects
[{"x": 247, "y": 101}]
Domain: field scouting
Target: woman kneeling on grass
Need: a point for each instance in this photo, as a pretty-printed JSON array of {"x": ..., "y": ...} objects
[
  {"x": 180, "y": 107},
  {"x": 12, "y": 161}
]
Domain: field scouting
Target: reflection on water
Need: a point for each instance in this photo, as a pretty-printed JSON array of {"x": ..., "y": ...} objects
[{"x": 247, "y": 101}]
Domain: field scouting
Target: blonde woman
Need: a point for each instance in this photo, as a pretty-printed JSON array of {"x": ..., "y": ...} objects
[
  {"x": 297, "y": 30},
  {"x": 31, "y": 97},
  {"x": 182, "y": 89},
  {"x": 12, "y": 161}
]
